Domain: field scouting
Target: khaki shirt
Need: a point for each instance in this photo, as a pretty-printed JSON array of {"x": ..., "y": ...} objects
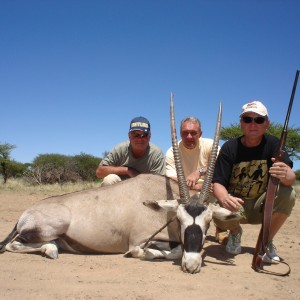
[{"x": 191, "y": 159}]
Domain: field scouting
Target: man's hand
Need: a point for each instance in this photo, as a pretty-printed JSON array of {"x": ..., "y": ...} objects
[
  {"x": 283, "y": 172},
  {"x": 132, "y": 172},
  {"x": 192, "y": 179}
]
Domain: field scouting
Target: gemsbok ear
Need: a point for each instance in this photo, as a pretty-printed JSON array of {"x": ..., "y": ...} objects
[
  {"x": 168, "y": 205},
  {"x": 208, "y": 216}
]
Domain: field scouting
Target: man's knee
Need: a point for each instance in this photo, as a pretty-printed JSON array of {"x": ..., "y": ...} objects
[
  {"x": 110, "y": 180},
  {"x": 226, "y": 225},
  {"x": 285, "y": 200}
]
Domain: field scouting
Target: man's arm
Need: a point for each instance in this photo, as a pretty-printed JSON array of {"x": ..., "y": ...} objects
[
  {"x": 103, "y": 171},
  {"x": 226, "y": 200}
]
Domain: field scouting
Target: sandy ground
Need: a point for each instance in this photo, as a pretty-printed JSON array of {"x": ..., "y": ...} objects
[{"x": 31, "y": 276}]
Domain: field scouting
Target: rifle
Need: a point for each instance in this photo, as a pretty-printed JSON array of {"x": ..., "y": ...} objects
[{"x": 264, "y": 234}]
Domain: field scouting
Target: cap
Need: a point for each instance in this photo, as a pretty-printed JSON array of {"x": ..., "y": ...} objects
[
  {"x": 256, "y": 107},
  {"x": 140, "y": 123}
]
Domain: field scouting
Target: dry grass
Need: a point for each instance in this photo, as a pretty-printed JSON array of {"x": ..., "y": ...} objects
[{"x": 19, "y": 185}]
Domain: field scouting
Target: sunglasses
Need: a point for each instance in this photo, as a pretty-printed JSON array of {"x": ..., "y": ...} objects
[
  {"x": 139, "y": 135},
  {"x": 186, "y": 133},
  {"x": 257, "y": 120}
]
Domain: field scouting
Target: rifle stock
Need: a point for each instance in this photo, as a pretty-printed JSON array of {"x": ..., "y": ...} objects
[{"x": 264, "y": 234}]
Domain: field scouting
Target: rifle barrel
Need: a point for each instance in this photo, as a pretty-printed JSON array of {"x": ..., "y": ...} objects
[{"x": 291, "y": 101}]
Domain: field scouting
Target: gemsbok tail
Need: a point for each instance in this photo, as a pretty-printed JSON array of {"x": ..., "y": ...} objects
[{"x": 10, "y": 237}]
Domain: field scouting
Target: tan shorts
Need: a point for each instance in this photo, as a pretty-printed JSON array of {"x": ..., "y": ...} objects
[{"x": 253, "y": 209}]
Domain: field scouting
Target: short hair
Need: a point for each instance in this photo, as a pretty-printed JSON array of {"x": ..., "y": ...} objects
[{"x": 190, "y": 119}]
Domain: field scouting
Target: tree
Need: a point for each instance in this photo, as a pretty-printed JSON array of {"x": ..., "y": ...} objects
[
  {"x": 5, "y": 150},
  {"x": 34, "y": 175},
  {"x": 16, "y": 169},
  {"x": 53, "y": 168},
  {"x": 58, "y": 168},
  {"x": 292, "y": 141},
  {"x": 86, "y": 166},
  {"x": 105, "y": 153}
]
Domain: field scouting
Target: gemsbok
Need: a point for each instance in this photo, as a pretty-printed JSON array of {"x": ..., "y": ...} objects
[{"x": 121, "y": 218}]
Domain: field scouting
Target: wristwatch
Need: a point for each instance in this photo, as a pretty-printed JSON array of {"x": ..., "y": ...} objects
[{"x": 202, "y": 171}]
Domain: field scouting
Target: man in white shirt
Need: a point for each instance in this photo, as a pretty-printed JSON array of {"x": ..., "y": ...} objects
[{"x": 194, "y": 152}]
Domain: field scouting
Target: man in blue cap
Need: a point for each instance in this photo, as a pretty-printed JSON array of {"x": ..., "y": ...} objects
[{"x": 130, "y": 158}]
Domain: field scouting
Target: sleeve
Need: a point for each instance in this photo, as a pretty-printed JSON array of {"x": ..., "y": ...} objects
[
  {"x": 223, "y": 167},
  {"x": 114, "y": 157},
  {"x": 158, "y": 165},
  {"x": 170, "y": 164},
  {"x": 207, "y": 147},
  {"x": 109, "y": 160},
  {"x": 272, "y": 151},
  {"x": 275, "y": 146}
]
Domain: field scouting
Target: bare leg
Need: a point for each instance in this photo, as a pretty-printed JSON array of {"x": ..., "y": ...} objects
[{"x": 278, "y": 220}]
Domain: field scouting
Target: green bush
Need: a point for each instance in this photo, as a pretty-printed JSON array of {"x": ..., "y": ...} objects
[
  {"x": 298, "y": 175},
  {"x": 86, "y": 166},
  {"x": 57, "y": 168}
]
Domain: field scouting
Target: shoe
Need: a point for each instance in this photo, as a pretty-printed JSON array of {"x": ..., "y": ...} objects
[
  {"x": 272, "y": 258},
  {"x": 234, "y": 242}
]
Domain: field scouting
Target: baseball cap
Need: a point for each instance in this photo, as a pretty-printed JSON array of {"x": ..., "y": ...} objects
[
  {"x": 256, "y": 107},
  {"x": 140, "y": 123}
]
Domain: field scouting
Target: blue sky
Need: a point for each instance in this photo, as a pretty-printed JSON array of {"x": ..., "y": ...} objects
[{"x": 74, "y": 73}]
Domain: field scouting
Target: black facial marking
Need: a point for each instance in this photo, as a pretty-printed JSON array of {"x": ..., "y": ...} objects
[
  {"x": 193, "y": 238},
  {"x": 195, "y": 210}
]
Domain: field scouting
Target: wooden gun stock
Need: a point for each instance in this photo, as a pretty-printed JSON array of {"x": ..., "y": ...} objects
[{"x": 263, "y": 237}]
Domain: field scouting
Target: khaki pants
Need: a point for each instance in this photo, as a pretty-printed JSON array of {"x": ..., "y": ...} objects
[{"x": 253, "y": 209}]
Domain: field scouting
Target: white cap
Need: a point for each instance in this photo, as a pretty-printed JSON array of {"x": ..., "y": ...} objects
[{"x": 256, "y": 107}]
